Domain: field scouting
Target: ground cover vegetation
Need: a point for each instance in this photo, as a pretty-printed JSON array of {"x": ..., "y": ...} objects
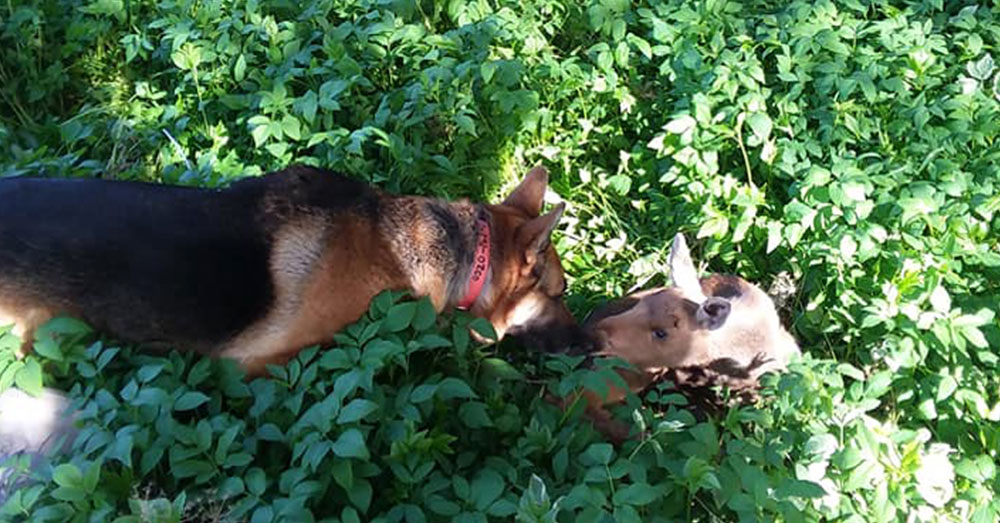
[{"x": 847, "y": 150}]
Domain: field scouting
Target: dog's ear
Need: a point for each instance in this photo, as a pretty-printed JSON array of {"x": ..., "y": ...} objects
[
  {"x": 682, "y": 272},
  {"x": 530, "y": 192},
  {"x": 533, "y": 236}
]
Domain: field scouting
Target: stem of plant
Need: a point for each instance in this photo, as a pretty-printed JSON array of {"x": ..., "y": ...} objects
[
  {"x": 611, "y": 482},
  {"x": 743, "y": 149},
  {"x": 197, "y": 90}
]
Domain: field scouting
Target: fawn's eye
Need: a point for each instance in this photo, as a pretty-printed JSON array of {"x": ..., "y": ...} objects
[{"x": 660, "y": 334}]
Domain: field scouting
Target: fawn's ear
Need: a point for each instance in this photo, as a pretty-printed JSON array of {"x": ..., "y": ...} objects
[
  {"x": 682, "y": 271},
  {"x": 713, "y": 313}
]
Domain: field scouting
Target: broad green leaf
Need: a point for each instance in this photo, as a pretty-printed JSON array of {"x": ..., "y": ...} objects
[
  {"x": 946, "y": 388},
  {"x": 680, "y": 125},
  {"x": 760, "y": 124},
  {"x": 799, "y": 488},
  {"x": 349, "y": 515},
  {"x": 190, "y": 400},
  {"x": 67, "y": 475},
  {"x": 72, "y": 494},
  {"x": 343, "y": 473},
  {"x": 424, "y": 315},
  {"x": 356, "y": 410},
  {"x": 982, "y": 68},
  {"x": 399, "y": 317},
  {"x": 270, "y": 432},
  {"x": 474, "y": 415},
  {"x": 29, "y": 377},
  {"x": 637, "y": 494},
  {"x": 598, "y": 453},
  {"x": 190, "y": 468},
  {"x": 260, "y": 134},
  {"x": 199, "y": 372},
  {"x": 487, "y": 70},
  {"x": 620, "y": 183},
  {"x": 148, "y": 372},
  {"x": 263, "y": 514},
  {"x": 361, "y": 494},
  {"x": 500, "y": 369},
  {"x": 423, "y": 393},
  {"x": 442, "y": 506},
  {"x": 255, "y": 481},
  {"x": 291, "y": 127},
  {"x": 450, "y": 388},
  {"x": 239, "y": 70},
  {"x": 351, "y": 444},
  {"x": 466, "y": 124},
  {"x": 486, "y": 488},
  {"x": 484, "y": 328}
]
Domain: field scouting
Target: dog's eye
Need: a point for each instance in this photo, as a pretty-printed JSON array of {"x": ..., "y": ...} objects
[{"x": 660, "y": 334}]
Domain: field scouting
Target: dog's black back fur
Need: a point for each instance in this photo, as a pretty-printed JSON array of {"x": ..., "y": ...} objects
[{"x": 196, "y": 260}]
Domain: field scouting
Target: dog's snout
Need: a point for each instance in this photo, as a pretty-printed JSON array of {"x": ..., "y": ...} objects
[{"x": 556, "y": 337}]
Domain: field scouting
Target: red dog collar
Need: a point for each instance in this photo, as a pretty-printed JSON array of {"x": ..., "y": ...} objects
[{"x": 480, "y": 266}]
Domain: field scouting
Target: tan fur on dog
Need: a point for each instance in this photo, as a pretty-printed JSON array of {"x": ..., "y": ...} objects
[{"x": 270, "y": 265}]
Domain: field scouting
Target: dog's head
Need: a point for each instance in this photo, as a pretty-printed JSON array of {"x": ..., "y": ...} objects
[
  {"x": 525, "y": 297},
  {"x": 723, "y": 324}
]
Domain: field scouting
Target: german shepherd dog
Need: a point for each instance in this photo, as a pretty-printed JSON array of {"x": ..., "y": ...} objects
[
  {"x": 698, "y": 333},
  {"x": 271, "y": 264}
]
